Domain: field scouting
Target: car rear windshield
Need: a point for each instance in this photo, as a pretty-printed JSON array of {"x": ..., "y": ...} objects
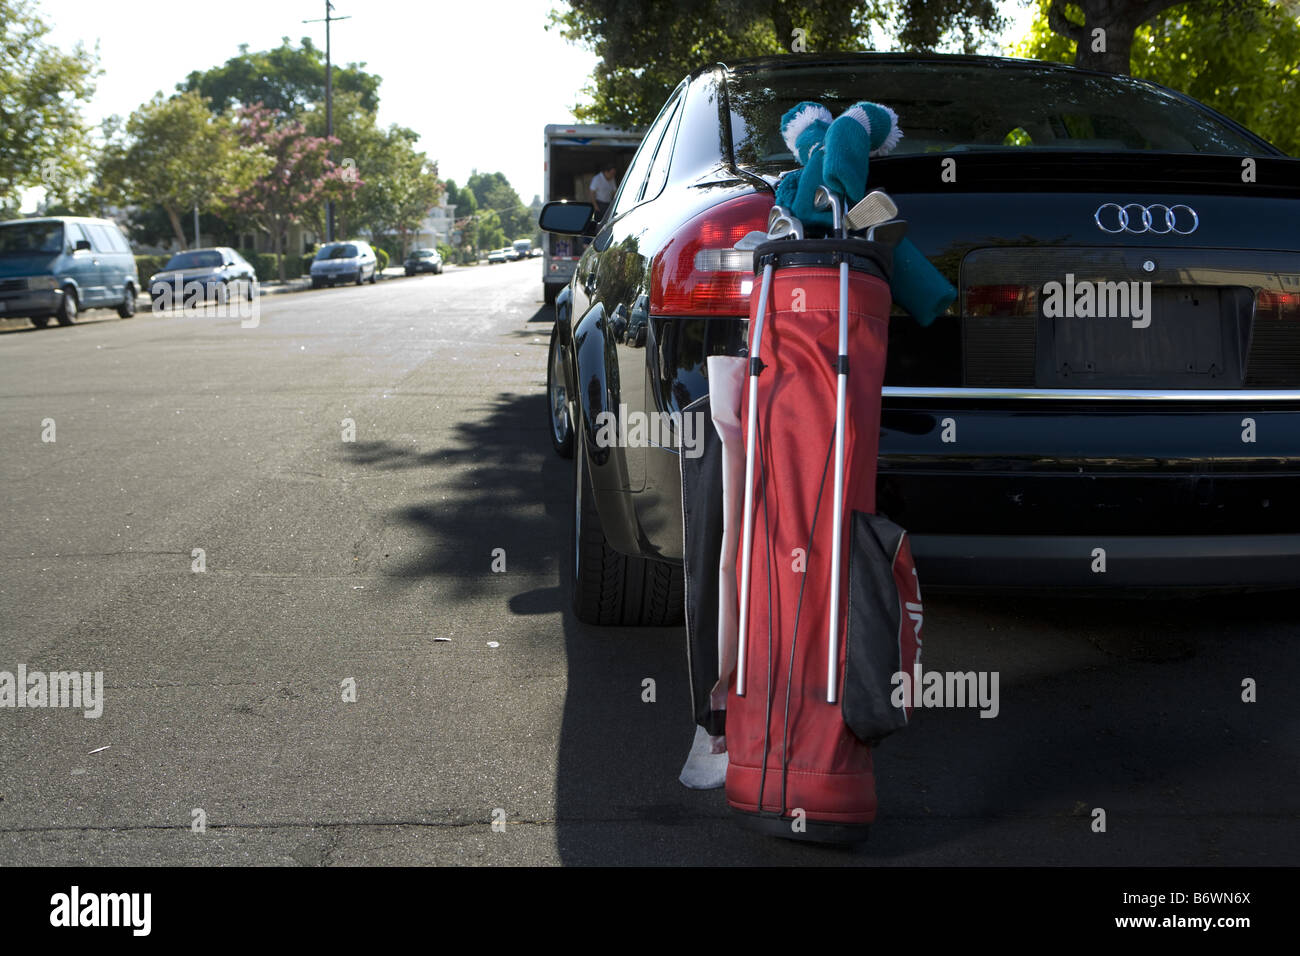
[
  {"x": 341, "y": 251},
  {"x": 31, "y": 238},
  {"x": 195, "y": 260},
  {"x": 421, "y": 254},
  {"x": 960, "y": 107}
]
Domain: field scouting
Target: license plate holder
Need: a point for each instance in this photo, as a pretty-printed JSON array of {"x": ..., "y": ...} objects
[{"x": 1192, "y": 341}]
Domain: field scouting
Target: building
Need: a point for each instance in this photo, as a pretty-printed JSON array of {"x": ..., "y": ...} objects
[{"x": 437, "y": 227}]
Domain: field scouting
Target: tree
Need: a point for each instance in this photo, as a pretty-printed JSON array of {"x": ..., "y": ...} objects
[
  {"x": 396, "y": 184},
  {"x": 300, "y": 178},
  {"x": 178, "y": 154},
  {"x": 1241, "y": 57},
  {"x": 285, "y": 80},
  {"x": 645, "y": 49},
  {"x": 43, "y": 139},
  {"x": 493, "y": 191}
]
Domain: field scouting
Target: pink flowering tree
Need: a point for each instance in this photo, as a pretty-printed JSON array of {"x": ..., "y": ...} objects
[{"x": 301, "y": 178}]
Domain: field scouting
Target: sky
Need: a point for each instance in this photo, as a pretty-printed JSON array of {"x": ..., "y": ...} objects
[{"x": 477, "y": 80}]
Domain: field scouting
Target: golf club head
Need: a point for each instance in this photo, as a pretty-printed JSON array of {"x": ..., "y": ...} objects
[
  {"x": 784, "y": 227},
  {"x": 751, "y": 240},
  {"x": 777, "y": 212},
  {"x": 825, "y": 199},
  {"x": 875, "y": 207},
  {"x": 888, "y": 233}
]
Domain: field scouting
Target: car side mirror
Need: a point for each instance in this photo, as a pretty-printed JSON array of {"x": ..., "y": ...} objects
[
  {"x": 82, "y": 244},
  {"x": 566, "y": 218}
]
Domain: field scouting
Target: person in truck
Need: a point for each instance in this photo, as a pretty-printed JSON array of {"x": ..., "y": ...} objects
[{"x": 602, "y": 188}]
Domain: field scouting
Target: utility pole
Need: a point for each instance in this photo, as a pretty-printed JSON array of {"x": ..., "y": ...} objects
[{"x": 329, "y": 106}]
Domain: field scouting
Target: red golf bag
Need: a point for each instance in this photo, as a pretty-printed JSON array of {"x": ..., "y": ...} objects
[{"x": 829, "y": 610}]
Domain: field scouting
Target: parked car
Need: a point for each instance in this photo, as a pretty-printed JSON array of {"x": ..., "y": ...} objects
[
  {"x": 424, "y": 260},
  {"x": 1021, "y": 445},
  {"x": 201, "y": 275},
  {"x": 497, "y": 255},
  {"x": 352, "y": 261},
  {"x": 56, "y": 267}
]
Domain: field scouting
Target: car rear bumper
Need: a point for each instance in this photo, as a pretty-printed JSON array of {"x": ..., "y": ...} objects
[
  {"x": 21, "y": 305},
  {"x": 1087, "y": 562}
]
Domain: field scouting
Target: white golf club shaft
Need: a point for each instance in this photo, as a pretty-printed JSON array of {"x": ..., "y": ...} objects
[
  {"x": 747, "y": 538},
  {"x": 841, "y": 382}
]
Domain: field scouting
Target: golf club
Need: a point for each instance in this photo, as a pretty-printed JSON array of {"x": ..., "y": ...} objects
[
  {"x": 888, "y": 233},
  {"x": 875, "y": 207}
]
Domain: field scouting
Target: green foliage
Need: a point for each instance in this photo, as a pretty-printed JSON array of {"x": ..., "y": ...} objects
[
  {"x": 177, "y": 154},
  {"x": 1241, "y": 57},
  {"x": 148, "y": 265},
  {"x": 492, "y": 191},
  {"x": 645, "y": 49},
  {"x": 43, "y": 138},
  {"x": 447, "y": 252},
  {"x": 397, "y": 185},
  {"x": 382, "y": 256},
  {"x": 263, "y": 264},
  {"x": 285, "y": 80}
]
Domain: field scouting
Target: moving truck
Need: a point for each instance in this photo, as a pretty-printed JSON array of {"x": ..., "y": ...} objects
[{"x": 573, "y": 155}]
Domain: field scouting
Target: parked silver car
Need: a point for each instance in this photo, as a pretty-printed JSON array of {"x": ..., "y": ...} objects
[{"x": 351, "y": 261}]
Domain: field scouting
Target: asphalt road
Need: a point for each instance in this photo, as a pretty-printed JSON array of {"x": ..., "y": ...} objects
[{"x": 330, "y": 560}]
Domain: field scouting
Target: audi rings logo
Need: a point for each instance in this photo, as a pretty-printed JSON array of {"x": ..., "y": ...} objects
[{"x": 1137, "y": 219}]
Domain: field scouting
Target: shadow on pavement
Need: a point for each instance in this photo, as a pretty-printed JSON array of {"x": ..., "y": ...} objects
[{"x": 1130, "y": 706}]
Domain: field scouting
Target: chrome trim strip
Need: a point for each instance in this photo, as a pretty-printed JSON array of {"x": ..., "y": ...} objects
[{"x": 1097, "y": 394}]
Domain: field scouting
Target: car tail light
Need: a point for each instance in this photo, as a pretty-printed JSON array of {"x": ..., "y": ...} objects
[
  {"x": 1001, "y": 301},
  {"x": 1277, "y": 305},
  {"x": 699, "y": 272}
]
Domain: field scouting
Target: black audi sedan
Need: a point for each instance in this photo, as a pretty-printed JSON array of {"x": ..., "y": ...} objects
[{"x": 1024, "y": 442}]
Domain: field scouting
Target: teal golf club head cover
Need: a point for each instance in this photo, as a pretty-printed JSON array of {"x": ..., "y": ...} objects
[
  {"x": 803, "y": 127},
  {"x": 860, "y": 132},
  {"x": 917, "y": 285}
]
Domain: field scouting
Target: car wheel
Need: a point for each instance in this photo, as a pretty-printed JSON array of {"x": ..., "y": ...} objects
[
  {"x": 67, "y": 313},
  {"x": 557, "y": 394},
  {"x": 127, "y": 308},
  {"x": 374, "y": 275},
  {"x": 360, "y": 280},
  {"x": 610, "y": 588},
  {"x": 41, "y": 321}
]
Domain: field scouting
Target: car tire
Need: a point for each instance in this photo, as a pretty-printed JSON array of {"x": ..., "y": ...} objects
[
  {"x": 316, "y": 283},
  {"x": 68, "y": 309},
  {"x": 360, "y": 279},
  {"x": 41, "y": 321},
  {"x": 374, "y": 275},
  {"x": 558, "y": 421},
  {"x": 127, "y": 308},
  {"x": 610, "y": 588}
]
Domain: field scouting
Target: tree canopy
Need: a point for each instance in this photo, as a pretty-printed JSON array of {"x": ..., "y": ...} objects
[
  {"x": 646, "y": 48},
  {"x": 43, "y": 138},
  {"x": 286, "y": 80},
  {"x": 1241, "y": 57},
  {"x": 178, "y": 154}
]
